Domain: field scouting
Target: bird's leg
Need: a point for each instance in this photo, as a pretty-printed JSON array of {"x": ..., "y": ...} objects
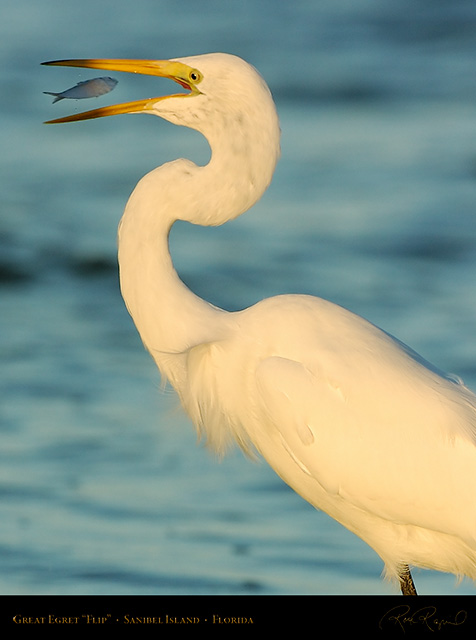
[{"x": 406, "y": 582}]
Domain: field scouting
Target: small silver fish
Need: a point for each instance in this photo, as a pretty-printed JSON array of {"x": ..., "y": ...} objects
[{"x": 86, "y": 89}]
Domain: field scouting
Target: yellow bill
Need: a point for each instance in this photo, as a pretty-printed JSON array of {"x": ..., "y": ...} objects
[{"x": 184, "y": 75}]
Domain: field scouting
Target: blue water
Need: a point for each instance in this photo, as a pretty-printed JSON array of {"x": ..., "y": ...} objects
[{"x": 103, "y": 489}]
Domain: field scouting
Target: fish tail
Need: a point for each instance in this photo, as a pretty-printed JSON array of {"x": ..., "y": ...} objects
[{"x": 57, "y": 96}]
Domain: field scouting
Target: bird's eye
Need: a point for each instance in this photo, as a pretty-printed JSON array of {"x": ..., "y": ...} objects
[{"x": 195, "y": 76}]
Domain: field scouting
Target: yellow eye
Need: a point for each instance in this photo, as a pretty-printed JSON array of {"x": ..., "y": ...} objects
[{"x": 195, "y": 76}]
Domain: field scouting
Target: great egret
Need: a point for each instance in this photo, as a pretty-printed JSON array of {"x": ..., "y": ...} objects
[{"x": 352, "y": 419}]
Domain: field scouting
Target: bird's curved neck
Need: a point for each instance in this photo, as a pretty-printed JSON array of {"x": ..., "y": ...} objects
[{"x": 169, "y": 317}]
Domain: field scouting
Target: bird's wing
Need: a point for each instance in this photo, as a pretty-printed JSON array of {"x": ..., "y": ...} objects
[{"x": 386, "y": 442}]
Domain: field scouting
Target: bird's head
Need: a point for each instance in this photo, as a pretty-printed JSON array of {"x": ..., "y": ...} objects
[
  {"x": 214, "y": 84},
  {"x": 227, "y": 101}
]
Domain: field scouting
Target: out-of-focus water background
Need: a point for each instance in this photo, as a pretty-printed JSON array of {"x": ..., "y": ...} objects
[{"x": 103, "y": 489}]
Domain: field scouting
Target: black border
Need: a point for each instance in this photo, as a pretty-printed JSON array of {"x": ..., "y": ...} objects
[{"x": 381, "y": 616}]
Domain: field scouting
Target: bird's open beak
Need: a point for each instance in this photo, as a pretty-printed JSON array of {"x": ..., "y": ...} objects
[{"x": 181, "y": 73}]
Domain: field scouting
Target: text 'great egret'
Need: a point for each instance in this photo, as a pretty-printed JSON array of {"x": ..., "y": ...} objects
[{"x": 353, "y": 420}]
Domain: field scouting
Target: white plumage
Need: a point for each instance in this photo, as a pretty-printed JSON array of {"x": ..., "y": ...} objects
[{"x": 352, "y": 419}]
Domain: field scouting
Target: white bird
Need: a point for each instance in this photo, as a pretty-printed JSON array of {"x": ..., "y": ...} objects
[{"x": 352, "y": 419}]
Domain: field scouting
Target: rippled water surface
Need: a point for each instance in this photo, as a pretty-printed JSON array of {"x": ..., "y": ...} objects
[{"x": 103, "y": 489}]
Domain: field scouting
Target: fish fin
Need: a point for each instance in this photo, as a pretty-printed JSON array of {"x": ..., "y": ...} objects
[{"x": 57, "y": 96}]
